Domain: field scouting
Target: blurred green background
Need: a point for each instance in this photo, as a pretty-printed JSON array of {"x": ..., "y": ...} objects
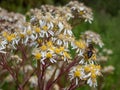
[{"x": 106, "y": 23}]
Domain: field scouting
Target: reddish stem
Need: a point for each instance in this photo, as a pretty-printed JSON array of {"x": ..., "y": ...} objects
[
  {"x": 27, "y": 79},
  {"x": 61, "y": 73}
]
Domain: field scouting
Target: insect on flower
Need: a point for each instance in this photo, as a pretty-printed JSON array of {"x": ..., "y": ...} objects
[{"x": 90, "y": 51}]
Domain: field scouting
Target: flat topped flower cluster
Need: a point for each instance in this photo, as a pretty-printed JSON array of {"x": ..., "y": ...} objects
[{"x": 50, "y": 37}]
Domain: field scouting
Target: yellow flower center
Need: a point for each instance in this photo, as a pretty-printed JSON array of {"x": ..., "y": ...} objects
[
  {"x": 92, "y": 66},
  {"x": 93, "y": 57},
  {"x": 39, "y": 40},
  {"x": 66, "y": 55},
  {"x": 4, "y": 34},
  {"x": 49, "y": 55},
  {"x": 45, "y": 28},
  {"x": 81, "y": 12},
  {"x": 93, "y": 76},
  {"x": 37, "y": 56},
  {"x": 77, "y": 73},
  {"x": 52, "y": 48},
  {"x": 9, "y": 38},
  {"x": 98, "y": 67},
  {"x": 13, "y": 35},
  {"x": 80, "y": 44},
  {"x": 87, "y": 68},
  {"x": 62, "y": 48},
  {"x": 57, "y": 50},
  {"x": 49, "y": 44},
  {"x": 29, "y": 32},
  {"x": 37, "y": 30},
  {"x": 55, "y": 28},
  {"x": 43, "y": 48},
  {"x": 22, "y": 35}
]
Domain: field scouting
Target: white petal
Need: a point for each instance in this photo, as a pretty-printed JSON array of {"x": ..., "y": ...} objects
[
  {"x": 51, "y": 32},
  {"x": 60, "y": 25},
  {"x": 42, "y": 23},
  {"x": 3, "y": 52}
]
